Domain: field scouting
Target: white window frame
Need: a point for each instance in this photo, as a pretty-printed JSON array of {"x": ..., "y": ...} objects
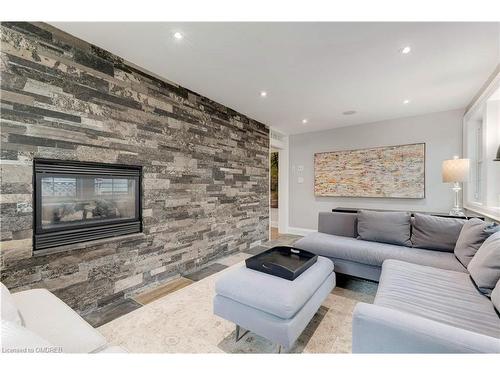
[
  {"x": 477, "y": 163},
  {"x": 479, "y": 178}
]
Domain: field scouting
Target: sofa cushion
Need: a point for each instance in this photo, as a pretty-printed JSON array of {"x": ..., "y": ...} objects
[
  {"x": 18, "y": 339},
  {"x": 50, "y": 318},
  {"x": 271, "y": 294},
  {"x": 436, "y": 233},
  {"x": 473, "y": 234},
  {"x": 495, "y": 296},
  {"x": 374, "y": 253},
  {"x": 441, "y": 295},
  {"x": 484, "y": 267},
  {"x": 387, "y": 227},
  {"x": 338, "y": 223},
  {"x": 9, "y": 308}
]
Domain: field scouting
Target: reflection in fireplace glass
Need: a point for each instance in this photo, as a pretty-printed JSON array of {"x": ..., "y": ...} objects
[{"x": 86, "y": 199}]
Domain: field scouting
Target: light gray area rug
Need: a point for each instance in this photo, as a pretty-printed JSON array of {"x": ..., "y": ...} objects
[{"x": 183, "y": 322}]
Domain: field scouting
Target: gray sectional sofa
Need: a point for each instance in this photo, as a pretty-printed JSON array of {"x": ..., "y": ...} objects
[
  {"x": 428, "y": 300},
  {"x": 337, "y": 239}
]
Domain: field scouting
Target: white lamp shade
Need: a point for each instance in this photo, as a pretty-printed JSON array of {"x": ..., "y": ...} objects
[{"x": 456, "y": 170}]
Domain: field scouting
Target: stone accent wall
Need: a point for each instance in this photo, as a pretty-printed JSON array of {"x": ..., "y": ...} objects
[{"x": 205, "y": 166}]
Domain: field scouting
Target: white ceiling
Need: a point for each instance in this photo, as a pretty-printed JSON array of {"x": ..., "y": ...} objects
[{"x": 312, "y": 70}]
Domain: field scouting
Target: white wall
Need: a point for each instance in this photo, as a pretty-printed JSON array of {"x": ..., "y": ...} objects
[{"x": 441, "y": 132}]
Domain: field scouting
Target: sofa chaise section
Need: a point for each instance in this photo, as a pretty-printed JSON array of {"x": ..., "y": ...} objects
[{"x": 421, "y": 309}]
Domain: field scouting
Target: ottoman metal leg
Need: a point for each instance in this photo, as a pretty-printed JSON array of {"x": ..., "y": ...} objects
[
  {"x": 238, "y": 337},
  {"x": 279, "y": 349}
]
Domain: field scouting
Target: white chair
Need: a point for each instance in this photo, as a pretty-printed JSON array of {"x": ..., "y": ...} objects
[{"x": 37, "y": 321}]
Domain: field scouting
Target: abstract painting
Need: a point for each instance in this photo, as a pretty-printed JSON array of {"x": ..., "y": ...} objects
[{"x": 381, "y": 172}]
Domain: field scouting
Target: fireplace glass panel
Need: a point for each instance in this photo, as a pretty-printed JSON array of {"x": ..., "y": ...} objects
[{"x": 78, "y": 200}]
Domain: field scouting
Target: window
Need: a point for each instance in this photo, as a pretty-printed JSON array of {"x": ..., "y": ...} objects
[
  {"x": 58, "y": 187},
  {"x": 477, "y": 162},
  {"x": 112, "y": 186},
  {"x": 481, "y": 142}
]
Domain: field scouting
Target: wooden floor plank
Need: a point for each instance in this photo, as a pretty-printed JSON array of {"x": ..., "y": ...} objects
[{"x": 163, "y": 290}]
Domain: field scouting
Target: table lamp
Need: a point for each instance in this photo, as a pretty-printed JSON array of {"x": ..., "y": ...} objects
[{"x": 456, "y": 171}]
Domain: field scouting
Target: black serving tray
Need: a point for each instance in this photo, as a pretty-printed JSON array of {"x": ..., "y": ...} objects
[{"x": 282, "y": 261}]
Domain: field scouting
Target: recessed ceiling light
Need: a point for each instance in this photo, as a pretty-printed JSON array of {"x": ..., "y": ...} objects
[
  {"x": 263, "y": 94},
  {"x": 406, "y": 50},
  {"x": 406, "y": 101},
  {"x": 305, "y": 121},
  {"x": 347, "y": 113},
  {"x": 178, "y": 35}
]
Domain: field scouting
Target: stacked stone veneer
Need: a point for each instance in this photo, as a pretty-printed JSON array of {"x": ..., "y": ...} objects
[{"x": 205, "y": 166}]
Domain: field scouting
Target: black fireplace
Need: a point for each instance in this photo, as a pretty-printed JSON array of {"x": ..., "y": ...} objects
[{"x": 78, "y": 202}]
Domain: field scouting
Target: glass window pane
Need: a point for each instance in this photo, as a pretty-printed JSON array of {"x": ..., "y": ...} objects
[{"x": 86, "y": 199}]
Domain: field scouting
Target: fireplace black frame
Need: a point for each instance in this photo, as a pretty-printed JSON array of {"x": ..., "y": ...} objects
[{"x": 44, "y": 239}]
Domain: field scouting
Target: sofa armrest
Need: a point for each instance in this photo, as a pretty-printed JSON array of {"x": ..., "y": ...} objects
[
  {"x": 338, "y": 223},
  {"x": 378, "y": 329},
  {"x": 50, "y": 318}
]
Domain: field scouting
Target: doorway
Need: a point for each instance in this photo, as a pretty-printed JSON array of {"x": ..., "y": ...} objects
[
  {"x": 278, "y": 185},
  {"x": 274, "y": 193}
]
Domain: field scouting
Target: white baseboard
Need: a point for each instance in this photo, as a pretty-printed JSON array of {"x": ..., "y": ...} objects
[{"x": 300, "y": 231}]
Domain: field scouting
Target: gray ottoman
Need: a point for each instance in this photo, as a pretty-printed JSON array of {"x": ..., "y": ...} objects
[{"x": 272, "y": 307}]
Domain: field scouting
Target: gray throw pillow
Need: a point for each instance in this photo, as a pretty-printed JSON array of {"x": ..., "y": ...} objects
[
  {"x": 473, "y": 234},
  {"x": 435, "y": 233},
  {"x": 387, "y": 227},
  {"x": 484, "y": 268},
  {"x": 495, "y": 296}
]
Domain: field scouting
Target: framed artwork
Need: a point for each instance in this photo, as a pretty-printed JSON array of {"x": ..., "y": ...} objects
[{"x": 380, "y": 172}]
